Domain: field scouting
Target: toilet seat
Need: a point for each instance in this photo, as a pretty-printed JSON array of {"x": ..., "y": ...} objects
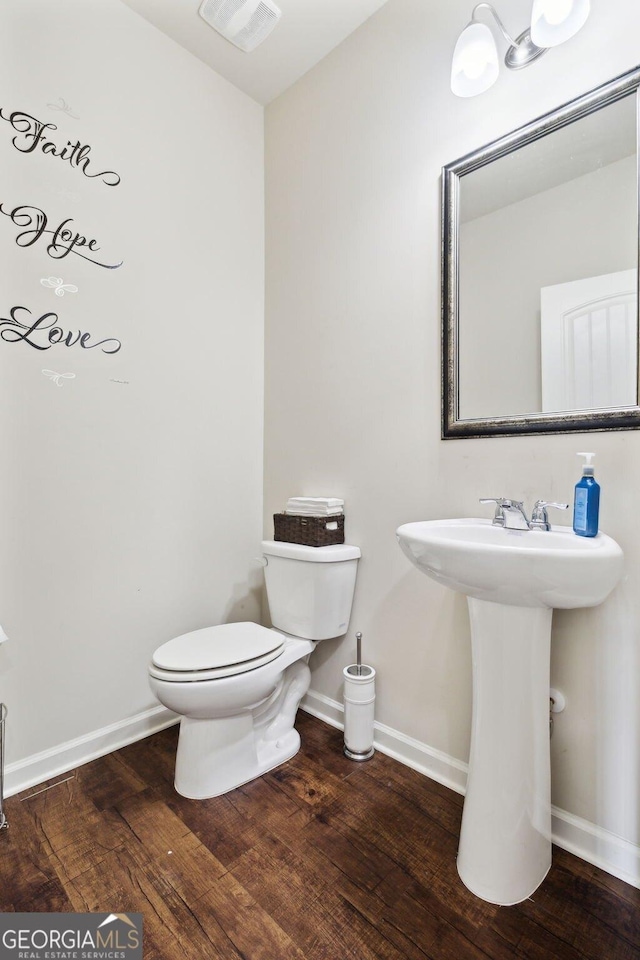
[{"x": 213, "y": 652}]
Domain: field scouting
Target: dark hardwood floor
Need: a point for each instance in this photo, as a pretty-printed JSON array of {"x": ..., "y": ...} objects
[{"x": 322, "y": 859}]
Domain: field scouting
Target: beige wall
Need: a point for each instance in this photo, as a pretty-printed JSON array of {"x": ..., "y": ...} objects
[
  {"x": 130, "y": 499},
  {"x": 354, "y": 152}
]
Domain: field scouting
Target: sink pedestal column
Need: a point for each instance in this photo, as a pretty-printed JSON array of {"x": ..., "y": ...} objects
[{"x": 505, "y": 840}]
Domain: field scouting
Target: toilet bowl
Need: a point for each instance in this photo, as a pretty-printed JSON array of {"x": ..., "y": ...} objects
[{"x": 237, "y": 686}]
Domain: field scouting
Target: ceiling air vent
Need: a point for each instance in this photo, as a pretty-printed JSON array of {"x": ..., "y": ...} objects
[{"x": 246, "y": 23}]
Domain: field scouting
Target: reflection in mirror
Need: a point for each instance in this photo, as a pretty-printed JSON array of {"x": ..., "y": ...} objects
[{"x": 540, "y": 285}]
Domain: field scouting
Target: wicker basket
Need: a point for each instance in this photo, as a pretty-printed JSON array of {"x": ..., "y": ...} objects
[{"x": 309, "y": 531}]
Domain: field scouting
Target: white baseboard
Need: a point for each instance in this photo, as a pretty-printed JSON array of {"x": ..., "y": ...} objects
[
  {"x": 584, "y": 839},
  {"x": 432, "y": 763},
  {"x": 67, "y": 756},
  {"x": 597, "y": 846}
]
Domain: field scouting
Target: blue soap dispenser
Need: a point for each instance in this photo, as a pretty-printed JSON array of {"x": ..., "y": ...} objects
[{"x": 586, "y": 504}]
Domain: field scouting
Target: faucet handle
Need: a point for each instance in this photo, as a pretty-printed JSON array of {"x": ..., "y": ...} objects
[
  {"x": 501, "y": 503},
  {"x": 540, "y": 517}
]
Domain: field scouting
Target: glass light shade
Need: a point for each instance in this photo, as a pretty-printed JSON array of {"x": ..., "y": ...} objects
[
  {"x": 475, "y": 61},
  {"x": 554, "y": 21}
]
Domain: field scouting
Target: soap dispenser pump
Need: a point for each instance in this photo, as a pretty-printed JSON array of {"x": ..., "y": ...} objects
[{"x": 586, "y": 505}]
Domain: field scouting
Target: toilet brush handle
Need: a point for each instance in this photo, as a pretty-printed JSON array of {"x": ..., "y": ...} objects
[{"x": 359, "y": 652}]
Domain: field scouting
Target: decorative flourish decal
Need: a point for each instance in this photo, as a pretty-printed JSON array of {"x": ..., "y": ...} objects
[
  {"x": 64, "y": 106},
  {"x": 44, "y": 333},
  {"x": 58, "y": 378},
  {"x": 33, "y": 224},
  {"x": 59, "y": 286},
  {"x": 31, "y": 135}
]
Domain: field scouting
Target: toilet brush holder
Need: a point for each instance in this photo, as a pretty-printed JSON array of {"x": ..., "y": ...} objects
[{"x": 359, "y": 703}]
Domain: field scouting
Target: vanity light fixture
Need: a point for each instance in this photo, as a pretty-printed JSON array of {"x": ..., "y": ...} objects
[{"x": 475, "y": 59}]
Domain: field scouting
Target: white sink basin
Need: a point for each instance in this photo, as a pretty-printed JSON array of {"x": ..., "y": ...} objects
[{"x": 525, "y": 568}]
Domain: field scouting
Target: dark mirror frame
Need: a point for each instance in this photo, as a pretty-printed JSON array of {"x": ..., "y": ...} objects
[{"x": 619, "y": 418}]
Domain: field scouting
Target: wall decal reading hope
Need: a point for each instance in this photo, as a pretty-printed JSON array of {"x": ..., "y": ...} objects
[{"x": 33, "y": 223}]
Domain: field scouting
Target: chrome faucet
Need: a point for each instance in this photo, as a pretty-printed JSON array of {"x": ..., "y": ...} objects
[{"x": 511, "y": 515}]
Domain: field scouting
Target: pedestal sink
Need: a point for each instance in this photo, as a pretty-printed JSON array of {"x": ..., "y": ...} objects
[{"x": 512, "y": 579}]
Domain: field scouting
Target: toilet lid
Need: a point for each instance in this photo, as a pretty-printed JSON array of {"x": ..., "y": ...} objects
[{"x": 227, "y": 648}]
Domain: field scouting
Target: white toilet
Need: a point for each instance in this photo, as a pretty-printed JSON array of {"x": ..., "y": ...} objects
[{"x": 238, "y": 686}]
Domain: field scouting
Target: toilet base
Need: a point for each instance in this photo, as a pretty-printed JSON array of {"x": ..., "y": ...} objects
[
  {"x": 218, "y": 780},
  {"x": 220, "y": 754}
]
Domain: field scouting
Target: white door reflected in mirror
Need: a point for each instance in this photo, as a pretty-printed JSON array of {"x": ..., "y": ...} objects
[{"x": 589, "y": 336}]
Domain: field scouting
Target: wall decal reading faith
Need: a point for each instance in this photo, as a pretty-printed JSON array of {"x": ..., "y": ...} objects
[
  {"x": 58, "y": 378},
  {"x": 31, "y": 134},
  {"x": 33, "y": 223},
  {"x": 59, "y": 286},
  {"x": 43, "y": 333},
  {"x": 64, "y": 106}
]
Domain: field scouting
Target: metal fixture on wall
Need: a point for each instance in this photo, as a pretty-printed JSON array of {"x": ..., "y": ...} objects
[
  {"x": 475, "y": 59},
  {"x": 3, "y": 714}
]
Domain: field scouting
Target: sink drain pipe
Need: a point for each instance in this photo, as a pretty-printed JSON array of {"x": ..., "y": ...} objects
[{"x": 359, "y": 705}]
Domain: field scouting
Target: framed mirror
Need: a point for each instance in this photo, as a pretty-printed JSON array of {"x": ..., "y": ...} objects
[{"x": 540, "y": 274}]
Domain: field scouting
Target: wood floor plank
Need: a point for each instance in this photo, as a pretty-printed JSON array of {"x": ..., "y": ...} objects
[
  {"x": 122, "y": 884},
  {"x": 350, "y": 854},
  {"x": 175, "y": 852},
  {"x": 394, "y": 825},
  {"x": 108, "y": 780},
  {"x": 588, "y": 903},
  {"x": 527, "y": 939},
  {"x": 26, "y": 871},
  {"x": 430, "y": 931},
  {"x": 153, "y": 823},
  {"x": 433, "y": 799},
  {"x": 324, "y": 745},
  {"x": 264, "y": 800},
  {"x": 311, "y": 786},
  {"x": 228, "y": 906},
  {"x": 567, "y": 919},
  {"x": 153, "y": 759},
  {"x": 218, "y": 825},
  {"x": 298, "y": 894},
  {"x": 79, "y": 836}
]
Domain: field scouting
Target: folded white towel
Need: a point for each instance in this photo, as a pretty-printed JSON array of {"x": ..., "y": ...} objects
[
  {"x": 315, "y": 506},
  {"x": 315, "y": 512},
  {"x": 324, "y": 503}
]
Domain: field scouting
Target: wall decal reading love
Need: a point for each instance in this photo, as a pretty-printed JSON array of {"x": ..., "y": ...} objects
[{"x": 44, "y": 333}]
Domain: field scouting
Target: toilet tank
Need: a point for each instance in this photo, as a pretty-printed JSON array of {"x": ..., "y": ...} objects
[{"x": 310, "y": 589}]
